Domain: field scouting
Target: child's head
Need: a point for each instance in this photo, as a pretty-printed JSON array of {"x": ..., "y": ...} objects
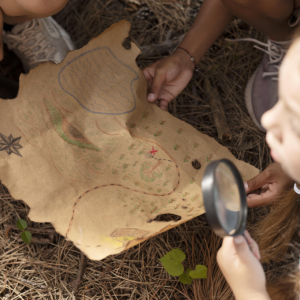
[{"x": 282, "y": 122}]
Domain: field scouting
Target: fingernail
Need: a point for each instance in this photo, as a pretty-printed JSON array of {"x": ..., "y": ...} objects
[
  {"x": 151, "y": 97},
  {"x": 246, "y": 186},
  {"x": 238, "y": 239}
]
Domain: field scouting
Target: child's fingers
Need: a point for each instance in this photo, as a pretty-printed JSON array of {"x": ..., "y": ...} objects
[
  {"x": 252, "y": 244},
  {"x": 163, "y": 104},
  {"x": 254, "y": 200},
  {"x": 243, "y": 251},
  {"x": 147, "y": 73},
  {"x": 256, "y": 182},
  {"x": 157, "y": 83},
  {"x": 226, "y": 249},
  {"x": 265, "y": 188}
]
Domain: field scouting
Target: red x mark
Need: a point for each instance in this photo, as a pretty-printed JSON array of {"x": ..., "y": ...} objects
[{"x": 153, "y": 151}]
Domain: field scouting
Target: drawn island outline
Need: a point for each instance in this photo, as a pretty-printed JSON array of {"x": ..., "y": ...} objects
[{"x": 78, "y": 100}]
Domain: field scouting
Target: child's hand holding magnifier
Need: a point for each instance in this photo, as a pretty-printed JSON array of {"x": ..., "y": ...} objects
[
  {"x": 241, "y": 268},
  {"x": 226, "y": 211}
]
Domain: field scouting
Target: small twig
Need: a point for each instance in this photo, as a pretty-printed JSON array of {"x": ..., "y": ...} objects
[
  {"x": 80, "y": 273},
  {"x": 40, "y": 286},
  {"x": 36, "y": 240},
  {"x": 5, "y": 197},
  {"x": 7, "y": 232},
  {"x": 32, "y": 230},
  {"x": 218, "y": 111},
  {"x": 182, "y": 293},
  {"x": 196, "y": 101},
  {"x": 159, "y": 288},
  {"x": 4, "y": 284}
]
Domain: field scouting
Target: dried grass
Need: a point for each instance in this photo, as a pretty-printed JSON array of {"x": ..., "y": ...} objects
[{"x": 49, "y": 271}]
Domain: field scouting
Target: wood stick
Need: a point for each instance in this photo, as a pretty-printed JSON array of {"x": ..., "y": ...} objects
[
  {"x": 80, "y": 273},
  {"x": 40, "y": 286},
  {"x": 36, "y": 240},
  {"x": 217, "y": 110},
  {"x": 159, "y": 288},
  {"x": 33, "y": 230}
]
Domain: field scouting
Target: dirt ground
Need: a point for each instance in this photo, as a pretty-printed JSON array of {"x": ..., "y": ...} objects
[{"x": 49, "y": 267}]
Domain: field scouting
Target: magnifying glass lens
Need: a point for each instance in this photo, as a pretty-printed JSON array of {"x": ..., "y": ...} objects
[
  {"x": 224, "y": 198},
  {"x": 227, "y": 198}
]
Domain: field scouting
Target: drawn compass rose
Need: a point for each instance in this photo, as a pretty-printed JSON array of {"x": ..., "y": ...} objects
[{"x": 10, "y": 144}]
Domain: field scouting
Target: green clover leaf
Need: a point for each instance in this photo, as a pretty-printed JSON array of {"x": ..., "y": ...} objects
[
  {"x": 200, "y": 272},
  {"x": 172, "y": 262},
  {"x": 21, "y": 224},
  {"x": 185, "y": 278},
  {"x": 26, "y": 237}
]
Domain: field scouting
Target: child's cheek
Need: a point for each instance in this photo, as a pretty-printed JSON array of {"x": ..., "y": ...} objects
[{"x": 291, "y": 158}]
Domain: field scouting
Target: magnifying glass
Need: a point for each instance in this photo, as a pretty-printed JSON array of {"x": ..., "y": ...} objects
[{"x": 224, "y": 198}]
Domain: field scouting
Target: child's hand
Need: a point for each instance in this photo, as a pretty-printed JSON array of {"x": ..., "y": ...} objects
[
  {"x": 272, "y": 182},
  {"x": 242, "y": 269},
  {"x": 168, "y": 77}
]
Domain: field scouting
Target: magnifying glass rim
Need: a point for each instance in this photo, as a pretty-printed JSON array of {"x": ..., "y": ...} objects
[{"x": 208, "y": 196}]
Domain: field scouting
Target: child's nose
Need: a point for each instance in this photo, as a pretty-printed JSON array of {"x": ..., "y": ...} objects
[
  {"x": 272, "y": 121},
  {"x": 277, "y": 133},
  {"x": 272, "y": 117}
]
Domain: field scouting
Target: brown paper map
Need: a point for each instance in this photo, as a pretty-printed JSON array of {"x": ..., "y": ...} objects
[{"x": 85, "y": 150}]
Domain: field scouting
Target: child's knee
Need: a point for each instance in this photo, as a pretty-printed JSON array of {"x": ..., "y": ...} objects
[
  {"x": 42, "y": 8},
  {"x": 274, "y": 9}
]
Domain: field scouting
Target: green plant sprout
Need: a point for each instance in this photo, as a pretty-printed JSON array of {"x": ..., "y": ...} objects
[
  {"x": 172, "y": 262},
  {"x": 25, "y": 235}
]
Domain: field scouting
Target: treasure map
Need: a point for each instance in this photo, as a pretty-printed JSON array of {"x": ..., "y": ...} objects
[{"x": 86, "y": 151}]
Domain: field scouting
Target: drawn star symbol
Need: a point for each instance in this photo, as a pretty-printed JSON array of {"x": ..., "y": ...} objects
[{"x": 10, "y": 144}]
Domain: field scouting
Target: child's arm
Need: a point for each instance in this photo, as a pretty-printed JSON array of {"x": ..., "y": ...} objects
[
  {"x": 210, "y": 22},
  {"x": 168, "y": 77},
  {"x": 242, "y": 269}
]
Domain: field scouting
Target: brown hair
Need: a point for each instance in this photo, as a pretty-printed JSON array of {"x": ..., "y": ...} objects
[
  {"x": 287, "y": 288},
  {"x": 275, "y": 235},
  {"x": 275, "y": 232}
]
